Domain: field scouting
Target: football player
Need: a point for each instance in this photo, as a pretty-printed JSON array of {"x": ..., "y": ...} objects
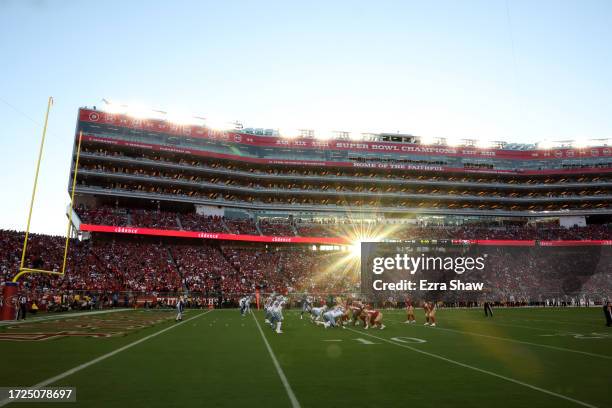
[
  {"x": 316, "y": 313},
  {"x": 374, "y": 318},
  {"x": 334, "y": 317},
  {"x": 409, "y": 312},
  {"x": 306, "y": 305},
  {"x": 276, "y": 314},
  {"x": 245, "y": 305}
]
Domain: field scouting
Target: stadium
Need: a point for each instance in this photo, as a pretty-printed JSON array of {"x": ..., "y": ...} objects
[
  {"x": 306, "y": 204},
  {"x": 168, "y": 212}
]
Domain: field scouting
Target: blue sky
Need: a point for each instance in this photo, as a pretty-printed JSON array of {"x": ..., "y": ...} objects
[{"x": 512, "y": 70}]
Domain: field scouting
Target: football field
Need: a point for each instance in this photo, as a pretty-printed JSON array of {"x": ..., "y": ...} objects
[{"x": 519, "y": 358}]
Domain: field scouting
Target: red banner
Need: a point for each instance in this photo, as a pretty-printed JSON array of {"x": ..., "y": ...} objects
[
  {"x": 86, "y": 115},
  {"x": 316, "y": 163},
  {"x": 311, "y": 240},
  {"x": 495, "y": 242},
  {"x": 213, "y": 235},
  {"x": 576, "y": 243}
]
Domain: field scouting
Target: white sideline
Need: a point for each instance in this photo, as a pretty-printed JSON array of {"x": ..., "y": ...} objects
[
  {"x": 491, "y": 373},
  {"x": 518, "y": 341},
  {"x": 294, "y": 402},
  {"x": 103, "y": 357},
  {"x": 60, "y": 316}
]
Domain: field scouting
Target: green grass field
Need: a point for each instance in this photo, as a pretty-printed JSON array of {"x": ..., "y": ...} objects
[{"x": 520, "y": 358}]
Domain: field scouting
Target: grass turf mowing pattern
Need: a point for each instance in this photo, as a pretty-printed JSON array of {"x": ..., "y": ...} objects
[{"x": 220, "y": 359}]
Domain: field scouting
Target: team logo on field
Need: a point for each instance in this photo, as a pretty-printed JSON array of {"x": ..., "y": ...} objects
[
  {"x": 81, "y": 326},
  {"x": 51, "y": 335},
  {"x": 593, "y": 335}
]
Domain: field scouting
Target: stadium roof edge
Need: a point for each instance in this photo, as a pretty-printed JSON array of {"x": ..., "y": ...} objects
[{"x": 400, "y": 137}]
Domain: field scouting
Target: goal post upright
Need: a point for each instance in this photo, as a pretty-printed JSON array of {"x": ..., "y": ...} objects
[
  {"x": 40, "y": 152},
  {"x": 23, "y": 270}
]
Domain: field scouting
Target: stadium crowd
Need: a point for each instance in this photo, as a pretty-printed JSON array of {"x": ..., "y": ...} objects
[
  {"x": 108, "y": 266},
  {"x": 107, "y": 215},
  {"x": 125, "y": 163},
  {"x": 361, "y": 185},
  {"x": 121, "y": 217},
  {"x": 455, "y": 199}
]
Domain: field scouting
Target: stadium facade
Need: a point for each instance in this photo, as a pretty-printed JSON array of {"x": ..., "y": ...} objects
[
  {"x": 163, "y": 208},
  {"x": 256, "y": 173}
]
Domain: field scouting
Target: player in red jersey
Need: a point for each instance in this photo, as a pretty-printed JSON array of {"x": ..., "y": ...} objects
[
  {"x": 430, "y": 313},
  {"x": 426, "y": 310},
  {"x": 374, "y": 318},
  {"x": 356, "y": 309},
  {"x": 409, "y": 312}
]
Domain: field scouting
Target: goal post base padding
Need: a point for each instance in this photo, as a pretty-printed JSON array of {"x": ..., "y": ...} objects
[{"x": 9, "y": 297}]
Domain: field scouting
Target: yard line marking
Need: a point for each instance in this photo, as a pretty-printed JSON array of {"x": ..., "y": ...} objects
[
  {"x": 60, "y": 316},
  {"x": 452, "y": 318},
  {"x": 519, "y": 341},
  {"x": 562, "y": 322},
  {"x": 481, "y": 370},
  {"x": 103, "y": 357},
  {"x": 502, "y": 324},
  {"x": 279, "y": 370}
]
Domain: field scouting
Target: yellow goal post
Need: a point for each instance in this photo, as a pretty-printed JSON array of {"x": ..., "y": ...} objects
[{"x": 22, "y": 269}]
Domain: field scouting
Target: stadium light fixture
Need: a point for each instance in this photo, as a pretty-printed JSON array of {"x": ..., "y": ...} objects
[
  {"x": 355, "y": 135},
  {"x": 218, "y": 124},
  {"x": 601, "y": 141},
  {"x": 288, "y": 133},
  {"x": 544, "y": 144},
  {"x": 181, "y": 118},
  {"x": 323, "y": 134},
  {"x": 453, "y": 141},
  {"x": 114, "y": 107},
  {"x": 340, "y": 134},
  {"x": 427, "y": 140},
  {"x": 580, "y": 143},
  {"x": 134, "y": 110},
  {"x": 139, "y": 111},
  {"x": 482, "y": 143}
]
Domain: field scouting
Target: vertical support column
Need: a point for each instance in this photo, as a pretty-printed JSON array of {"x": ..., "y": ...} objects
[{"x": 9, "y": 296}]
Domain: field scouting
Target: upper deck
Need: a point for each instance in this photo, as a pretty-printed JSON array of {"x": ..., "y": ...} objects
[{"x": 153, "y": 134}]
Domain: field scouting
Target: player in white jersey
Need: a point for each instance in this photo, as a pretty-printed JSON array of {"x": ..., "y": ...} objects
[
  {"x": 267, "y": 308},
  {"x": 245, "y": 305},
  {"x": 306, "y": 305},
  {"x": 316, "y": 313},
  {"x": 276, "y": 314},
  {"x": 333, "y": 317}
]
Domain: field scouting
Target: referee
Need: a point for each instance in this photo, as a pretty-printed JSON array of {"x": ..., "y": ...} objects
[
  {"x": 487, "y": 309},
  {"x": 608, "y": 313},
  {"x": 23, "y": 307},
  {"x": 180, "y": 307}
]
